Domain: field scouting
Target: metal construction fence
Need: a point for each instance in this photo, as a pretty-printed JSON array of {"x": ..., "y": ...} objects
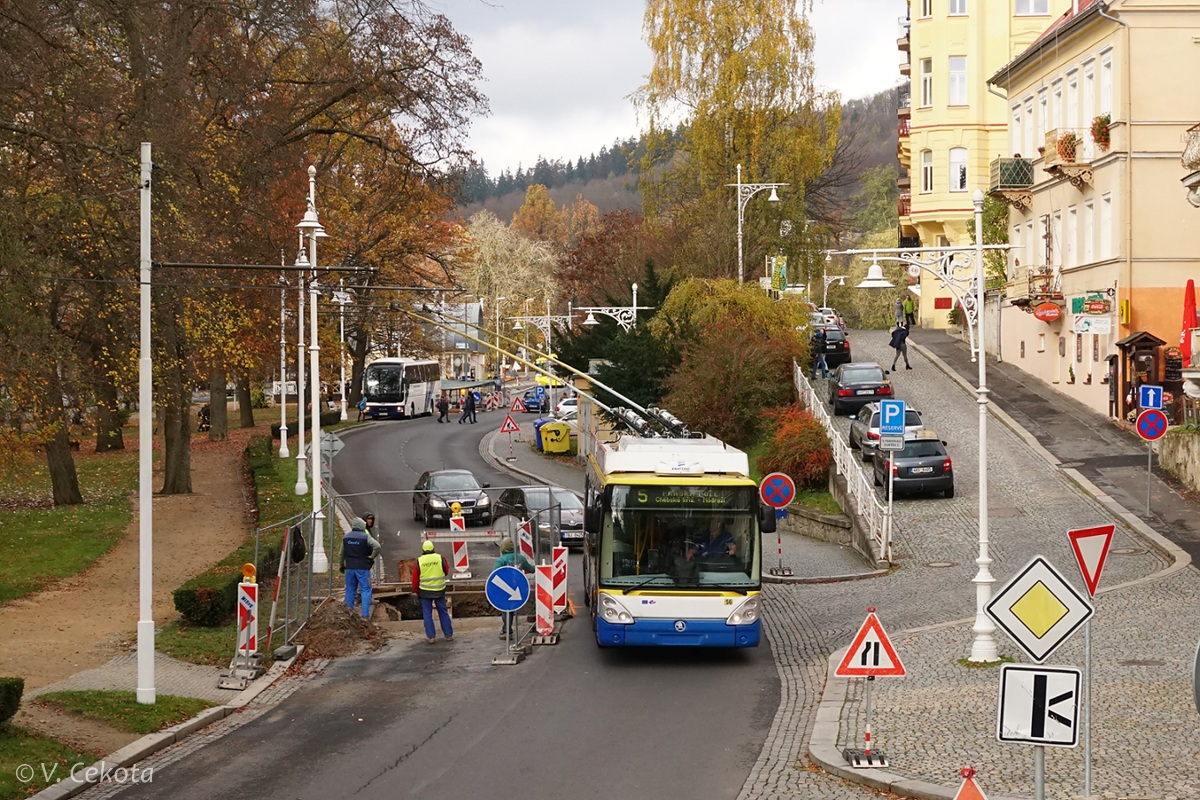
[{"x": 859, "y": 488}]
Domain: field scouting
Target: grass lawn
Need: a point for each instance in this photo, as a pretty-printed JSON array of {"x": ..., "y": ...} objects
[
  {"x": 209, "y": 646},
  {"x": 122, "y": 711},
  {"x": 29, "y": 762},
  {"x": 44, "y": 543}
]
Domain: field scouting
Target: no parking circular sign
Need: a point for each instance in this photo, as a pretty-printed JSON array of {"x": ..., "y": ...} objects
[
  {"x": 1151, "y": 424},
  {"x": 777, "y": 490}
]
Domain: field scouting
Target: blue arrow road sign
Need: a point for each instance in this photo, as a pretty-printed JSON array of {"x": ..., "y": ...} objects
[
  {"x": 507, "y": 589},
  {"x": 1150, "y": 396},
  {"x": 891, "y": 418}
]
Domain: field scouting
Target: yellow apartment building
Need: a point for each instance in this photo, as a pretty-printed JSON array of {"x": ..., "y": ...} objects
[
  {"x": 950, "y": 125},
  {"x": 1100, "y": 110}
]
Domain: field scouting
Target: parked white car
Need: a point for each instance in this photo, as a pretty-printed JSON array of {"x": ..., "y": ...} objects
[{"x": 565, "y": 405}]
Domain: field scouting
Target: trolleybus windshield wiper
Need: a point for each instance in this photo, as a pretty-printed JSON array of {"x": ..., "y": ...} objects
[
  {"x": 740, "y": 588},
  {"x": 646, "y": 582}
]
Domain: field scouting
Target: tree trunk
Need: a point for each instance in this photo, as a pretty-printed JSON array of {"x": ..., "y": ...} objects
[
  {"x": 63, "y": 480},
  {"x": 218, "y": 406},
  {"x": 177, "y": 411},
  {"x": 245, "y": 403},
  {"x": 109, "y": 419}
]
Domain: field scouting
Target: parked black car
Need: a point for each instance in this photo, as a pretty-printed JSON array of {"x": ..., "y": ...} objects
[
  {"x": 557, "y": 511},
  {"x": 837, "y": 346},
  {"x": 855, "y": 384},
  {"x": 438, "y": 489},
  {"x": 922, "y": 466}
]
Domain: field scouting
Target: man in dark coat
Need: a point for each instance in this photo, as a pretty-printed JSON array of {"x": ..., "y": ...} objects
[{"x": 899, "y": 343}]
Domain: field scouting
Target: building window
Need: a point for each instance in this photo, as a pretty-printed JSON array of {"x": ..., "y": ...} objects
[
  {"x": 1071, "y": 115},
  {"x": 1041, "y": 343},
  {"x": 1043, "y": 119},
  {"x": 1056, "y": 106},
  {"x": 926, "y": 8},
  {"x": 958, "y": 169},
  {"x": 1089, "y": 232},
  {"x": 1014, "y": 130},
  {"x": 1071, "y": 244},
  {"x": 1055, "y": 247},
  {"x": 1030, "y": 7},
  {"x": 926, "y": 171},
  {"x": 1095, "y": 348},
  {"x": 1106, "y": 229},
  {"x": 1079, "y": 348},
  {"x": 1106, "y": 84},
  {"x": 926, "y": 82},
  {"x": 958, "y": 80},
  {"x": 958, "y": 8},
  {"x": 1029, "y": 146},
  {"x": 1089, "y": 94}
]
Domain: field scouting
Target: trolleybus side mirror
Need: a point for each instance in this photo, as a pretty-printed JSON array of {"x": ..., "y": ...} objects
[{"x": 766, "y": 518}]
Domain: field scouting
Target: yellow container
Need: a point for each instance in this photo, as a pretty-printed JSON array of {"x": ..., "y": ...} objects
[{"x": 556, "y": 437}]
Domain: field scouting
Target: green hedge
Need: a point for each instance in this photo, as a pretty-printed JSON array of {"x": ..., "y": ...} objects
[
  {"x": 209, "y": 599},
  {"x": 327, "y": 418},
  {"x": 11, "y": 690}
]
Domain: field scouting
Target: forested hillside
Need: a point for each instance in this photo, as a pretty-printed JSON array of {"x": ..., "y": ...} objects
[{"x": 609, "y": 179}]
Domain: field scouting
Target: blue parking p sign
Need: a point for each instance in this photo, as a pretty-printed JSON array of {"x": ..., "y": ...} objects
[
  {"x": 1150, "y": 396},
  {"x": 891, "y": 418}
]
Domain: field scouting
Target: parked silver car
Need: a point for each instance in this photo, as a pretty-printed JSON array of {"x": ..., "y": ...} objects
[{"x": 864, "y": 427}]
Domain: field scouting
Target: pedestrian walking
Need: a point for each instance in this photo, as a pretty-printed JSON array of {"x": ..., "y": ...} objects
[
  {"x": 359, "y": 550},
  {"x": 819, "y": 339},
  {"x": 910, "y": 311},
  {"x": 899, "y": 343},
  {"x": 362, "y": 408},
  {"x": 509, "y": 558},
  {"x": 468, "y": 409},
  {"x": 443, "y": 407},
  {"x": 429, "y": 583},
  {"x": 899, "y": 310}
]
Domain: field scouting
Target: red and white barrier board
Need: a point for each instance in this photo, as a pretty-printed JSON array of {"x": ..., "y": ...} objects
[
  {"x": 545, "y": 600},
  {"x": 462, "y": 561},
  {"x": 247, "y": 616},
  {"x": 526, "y": 537},
  {"x": 560, "y": 579}
]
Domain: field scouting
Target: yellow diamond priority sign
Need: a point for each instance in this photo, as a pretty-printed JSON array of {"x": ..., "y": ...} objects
[{"x": 1039, "y": 609}]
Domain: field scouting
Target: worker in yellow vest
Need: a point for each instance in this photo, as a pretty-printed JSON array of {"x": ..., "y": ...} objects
[{"x": 429, "y": 583}]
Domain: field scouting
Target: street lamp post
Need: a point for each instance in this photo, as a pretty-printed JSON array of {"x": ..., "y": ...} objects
[
  {"x": 829, "y": 281},
  {"x": 949, "y": 265},
  {"x": 283, "y": 429},
  {"x": 342, "y": 299},
  {"x": 626, "y": 316},
  {"x": 745, "y": 191},
  {"x": 496, "y": 331},
  {"x": 310, "y": 225},
  {"x": 301, "y": 456}
]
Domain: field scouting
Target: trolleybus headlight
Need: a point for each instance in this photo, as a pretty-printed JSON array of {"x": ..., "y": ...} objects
[
  {"x": 613, "y": 611},
  {"x": 744, "y": 614}
]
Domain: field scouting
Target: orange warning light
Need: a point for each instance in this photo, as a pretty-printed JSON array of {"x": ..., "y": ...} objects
[{"x": 248, "y": 572}]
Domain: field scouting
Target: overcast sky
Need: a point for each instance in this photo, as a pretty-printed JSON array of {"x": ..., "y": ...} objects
[{"x": 559, "y": 73}]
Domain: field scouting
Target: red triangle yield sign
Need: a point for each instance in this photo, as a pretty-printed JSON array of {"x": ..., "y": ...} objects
[
  {"x": 510, "y": 425},
  {"x": 517, "y": 405},
  {"x": 1091, "y": 550},
  {"x": 969, "y": 791},
  {"x": 871, "y": 653}
]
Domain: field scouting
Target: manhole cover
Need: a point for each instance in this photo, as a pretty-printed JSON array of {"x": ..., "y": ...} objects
[
  {"x": 1142, "y": 663},
  {"x": 1126, "y": 551},
  {"x": 941, "y": 564}
]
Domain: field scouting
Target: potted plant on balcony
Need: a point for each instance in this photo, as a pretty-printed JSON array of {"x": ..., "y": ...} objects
[
  {"x": 1071, "y": 373},
  {"x": 1068, "y": 144},
  {"x": 1100, "y": 132}
]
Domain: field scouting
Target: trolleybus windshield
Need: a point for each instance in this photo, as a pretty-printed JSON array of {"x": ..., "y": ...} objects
[{"x": 681, "y": 536}]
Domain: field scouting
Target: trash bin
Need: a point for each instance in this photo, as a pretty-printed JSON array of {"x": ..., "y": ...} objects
[
  {"x": 537, "y": 431},
  {"x": 555, "y": 437}
]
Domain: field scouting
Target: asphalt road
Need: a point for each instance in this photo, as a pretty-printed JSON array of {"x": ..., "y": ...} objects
[{"x": 415, "y": 720}]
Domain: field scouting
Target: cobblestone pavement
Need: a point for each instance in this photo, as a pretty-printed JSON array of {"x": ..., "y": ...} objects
[{"x": 171, "y": 677}]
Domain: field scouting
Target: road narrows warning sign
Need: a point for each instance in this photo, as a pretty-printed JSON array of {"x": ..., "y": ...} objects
[{"x": 871, "y": 654}]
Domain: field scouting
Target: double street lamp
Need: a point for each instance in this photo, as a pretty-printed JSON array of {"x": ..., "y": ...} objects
[
  {"x": 745, "y": 191},
  {"x": 626, "y": 316},
  {"x": 961, "y": 271}
]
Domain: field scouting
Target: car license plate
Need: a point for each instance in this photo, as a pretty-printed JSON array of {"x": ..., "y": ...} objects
[
  {"x": 865, "y": 391},
  {"x": 921, "y": 470},
  {"x": 572, "y": 534}
]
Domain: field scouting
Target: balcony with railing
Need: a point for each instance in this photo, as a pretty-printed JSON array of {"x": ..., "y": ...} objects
[
  {"x": 903, "y": 180},
  {"x": 1190, "y": 159},
  {"x": 1069, "y": 153},
  {"x": 1012, "y": 181},
  {"x": 904, "y": 101},
  {"x": 902, "y": 38},
  {"x": 906, "y": 67},
  {"x": 904, "y": 205},
  {"x": 903, "y": 128}
]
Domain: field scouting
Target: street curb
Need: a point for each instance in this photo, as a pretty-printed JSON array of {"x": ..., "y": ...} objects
[{"x": 152, "y": 743}]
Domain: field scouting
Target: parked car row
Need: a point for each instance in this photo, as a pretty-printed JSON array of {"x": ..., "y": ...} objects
[
  {"x": 922, "y": 465},
  {"x": 557, "y": 512}
]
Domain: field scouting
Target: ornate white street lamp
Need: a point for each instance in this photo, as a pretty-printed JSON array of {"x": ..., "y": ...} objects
[
  {"x": 301, "y": 455},
  {"x": 829, "y": 281},
  {"x": 961, "y": 271},
  {"x": 745, "y": 192},
  {"x": 283, "y": 429},
  {"x": 626, "y": 316},
  {"x": 342, "y": 298}
]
